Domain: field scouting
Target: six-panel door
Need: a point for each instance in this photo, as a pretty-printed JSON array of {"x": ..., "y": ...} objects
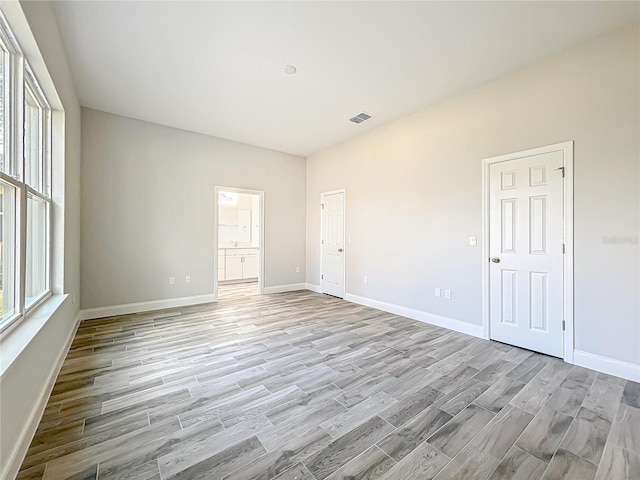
[{"x": 526, "y": 252}]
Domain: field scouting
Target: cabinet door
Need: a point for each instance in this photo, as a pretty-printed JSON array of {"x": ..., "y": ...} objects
[
  {"x": 250, "y": 266},
  {"x": 233, "y": 268}
]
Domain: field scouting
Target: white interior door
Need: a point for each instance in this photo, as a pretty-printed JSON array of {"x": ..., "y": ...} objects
[
  {"x": 332, "y": 244},
  {"x": 526, "y": 249}
]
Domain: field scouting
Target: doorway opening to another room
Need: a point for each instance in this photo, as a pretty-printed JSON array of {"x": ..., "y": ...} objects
[{"x": 239, "y": 242}]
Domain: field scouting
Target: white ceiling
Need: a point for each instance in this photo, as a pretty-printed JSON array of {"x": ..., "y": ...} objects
[{"x": 217, "y": 67}]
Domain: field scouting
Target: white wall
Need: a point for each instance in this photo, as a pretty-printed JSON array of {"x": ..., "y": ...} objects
[
  {"x": 414, "y": 190},
  {"x": 37, "y": 346},
  {"x": 148, "y": 209}
]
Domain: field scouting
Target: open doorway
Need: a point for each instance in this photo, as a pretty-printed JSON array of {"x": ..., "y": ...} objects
[{"x": 238, "y": 242}]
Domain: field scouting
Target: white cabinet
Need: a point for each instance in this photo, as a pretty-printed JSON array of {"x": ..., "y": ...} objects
[
  {"x": 250, "y": 266},
  {"x": 239, "y": 263},
  {"x": 233, "y": 268}
]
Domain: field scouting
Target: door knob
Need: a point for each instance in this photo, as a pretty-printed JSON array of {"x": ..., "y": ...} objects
[
  {"x": 339, "y": 249},
  {"x": 495, "y": 260}
]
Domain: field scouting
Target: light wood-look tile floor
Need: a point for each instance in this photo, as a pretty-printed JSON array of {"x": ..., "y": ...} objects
[{"x": 309, "y": 387}]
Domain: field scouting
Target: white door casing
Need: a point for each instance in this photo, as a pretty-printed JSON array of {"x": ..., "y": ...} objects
[
  {"x": 528, "y": 280},
  {"x": 332, "y": 267}
]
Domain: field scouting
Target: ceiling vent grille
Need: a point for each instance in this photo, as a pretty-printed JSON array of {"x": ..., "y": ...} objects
[{"x": 361, "y": 117}]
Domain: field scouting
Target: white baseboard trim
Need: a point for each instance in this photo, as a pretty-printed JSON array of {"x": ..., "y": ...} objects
[
  {"x": 16, "y": 457},
  {"x": 426, "y": 317},
  {"x": 285, "y": 288},
  {"x": 627, "y": 370},
  {"x": 313, "y": 287},
  {"x": 127, "y": 308}
]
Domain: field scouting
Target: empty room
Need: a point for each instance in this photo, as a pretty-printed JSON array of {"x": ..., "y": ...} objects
[{"x": 319, "y": 240}]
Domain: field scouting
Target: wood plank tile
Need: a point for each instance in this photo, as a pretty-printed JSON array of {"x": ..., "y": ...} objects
[
  {"x": 587, "y": 435},
  {"x": 500, "y": 434},
  {"x": 604, "y": 398},
  {"x": 398, "y": 413},
  {"x": 221, "y": 463},
  {"x": 348, "y": 420},
  {"x": 459, "y": 398},
  {"x": 185, "y": 456},
  {"x": 283, "y": 458},
  {"x": 402, "y": 441},
  {"x": 631, "y": 394},
  {"x": 519, "y": 465},
  {"x": 568, "y": 397},
  {"x": 298, "y": 472},
  {"x": 543, "y": 435},
  {"x": 347, "y": 447},
  {"x": 458, "y": 432},
  {"x": 150, "y": 391},
  {"x": 499, "y": 394},
  {"x": 618, "y": 464},
  {"x": 470, "y": 464},
  {"x": 494, "y": 372},
  {"x": 568, "y": 466},
  {"x": 625, "y": 431},
  {"x": 424, "y": 463},
  {"x": 62, "y": 464},
  {"x": 371, "y": 464},
  {"x": 274, "y": 436}
]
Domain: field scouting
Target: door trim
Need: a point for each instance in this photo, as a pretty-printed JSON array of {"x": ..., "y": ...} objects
[
  {"x": 344, "y": 236},
  {"x": 568, "y": 298},
  {"x": 216, "y": 208}
]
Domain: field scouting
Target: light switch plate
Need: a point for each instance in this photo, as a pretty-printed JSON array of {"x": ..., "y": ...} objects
[{"x": 437, "y": 293}]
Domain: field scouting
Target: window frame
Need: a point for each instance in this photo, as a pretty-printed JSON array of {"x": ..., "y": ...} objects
[{"x": 19, "y": 78}]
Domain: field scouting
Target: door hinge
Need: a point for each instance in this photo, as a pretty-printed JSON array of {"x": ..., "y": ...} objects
[
  {"x": 564, "y": 325},
  {"x": 321, "y": 277},
  {"x": 561, "y": 170},
  {"x": 322, "y": 242},
  {"x": 564, "y": 248},
  {"x": 322, "y": 206}
]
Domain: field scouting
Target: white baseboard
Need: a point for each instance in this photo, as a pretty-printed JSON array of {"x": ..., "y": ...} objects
[
  {"x": 313, "y": 287},
  {"x": 627, "y": 370},
  {"x": 127, "y": 308},
  {"x": 433, "y": 319},
  {"x": 16, "y": 457},
  {"x": 285, "y": 288}
]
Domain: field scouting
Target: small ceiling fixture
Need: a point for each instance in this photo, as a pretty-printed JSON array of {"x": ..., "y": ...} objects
[
  {"x": 361, "y": 117},
  {"x": 290, "y": 69}
]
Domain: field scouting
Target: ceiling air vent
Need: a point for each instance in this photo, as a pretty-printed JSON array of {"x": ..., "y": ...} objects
[{"x": 361, "y": 117}]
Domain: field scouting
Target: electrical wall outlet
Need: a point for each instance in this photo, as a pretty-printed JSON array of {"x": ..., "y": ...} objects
[
  {"x": 437, "y": 292},
  {"x": 473, "y": 241},
  {"x": 172, "y": 280},
  {"x": 447, "y": 294},
  {"x": 365, "y": 280},
  {"x": 187, "y": 279},
  {"x": 297, "y": 269}
]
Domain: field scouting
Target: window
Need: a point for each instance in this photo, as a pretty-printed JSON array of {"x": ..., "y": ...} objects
[
  {"x": 7, "y": 252},
  {"x": 25, "y": 179}
]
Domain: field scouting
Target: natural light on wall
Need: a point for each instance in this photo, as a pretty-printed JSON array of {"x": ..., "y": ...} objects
[{"x": 25, "y": 184}]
